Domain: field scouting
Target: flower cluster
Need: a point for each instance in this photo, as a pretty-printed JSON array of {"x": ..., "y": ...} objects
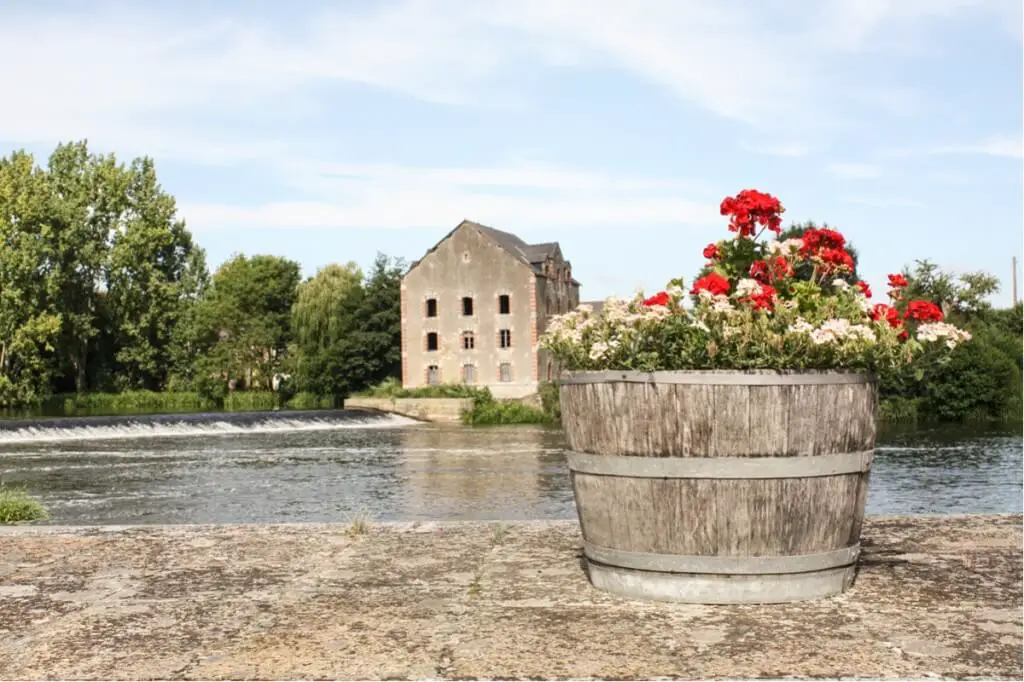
[
  {"x": 751, "y": 208},
  {"x": 778, "y": 304}
]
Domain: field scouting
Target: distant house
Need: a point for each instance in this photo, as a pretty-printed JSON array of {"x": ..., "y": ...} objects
[{"x": 474, "y": 306}]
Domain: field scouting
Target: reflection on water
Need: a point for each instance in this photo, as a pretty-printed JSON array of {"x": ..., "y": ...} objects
[{"x": 277, "y": 471}]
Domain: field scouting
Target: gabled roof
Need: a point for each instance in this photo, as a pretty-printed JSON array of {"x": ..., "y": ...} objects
[{"x": 532, "y": 255}]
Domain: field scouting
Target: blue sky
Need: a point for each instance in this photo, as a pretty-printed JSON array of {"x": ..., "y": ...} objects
[{"x": 329, "y": 131}]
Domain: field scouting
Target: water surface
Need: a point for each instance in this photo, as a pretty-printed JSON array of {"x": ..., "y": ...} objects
[{"x": 334, "y": 465}]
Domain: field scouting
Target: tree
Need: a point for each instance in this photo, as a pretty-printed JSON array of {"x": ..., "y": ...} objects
[
  {"x": 964, "y": 296},
  {"x": 88, "y": 201},
  {"x": 150, "y": 270},
  {"x": 317, "y": 318},
  {"x": 29, "y": 321},
  {"x": 244, "y": 320},
  {"x": 349, "y": 332}
]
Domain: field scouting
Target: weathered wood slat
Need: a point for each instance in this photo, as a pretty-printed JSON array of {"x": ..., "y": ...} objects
[{"x": 678, "y": 467}]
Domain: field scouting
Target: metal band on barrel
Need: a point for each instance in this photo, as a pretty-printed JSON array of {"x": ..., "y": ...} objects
[
  {"x": 721, "y": 467},
  {"x": 712, "y": 378},
  {"x": 736, "y": 565}
]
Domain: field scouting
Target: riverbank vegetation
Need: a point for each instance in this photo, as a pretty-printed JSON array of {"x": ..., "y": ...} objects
[
  {"x": 486, "y": 409},
  {"x": 16, "y": 506},
  {"x": 107, "y": 306}
]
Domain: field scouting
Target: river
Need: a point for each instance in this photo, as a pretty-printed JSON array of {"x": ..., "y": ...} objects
[{"x": 336, "y": 466}]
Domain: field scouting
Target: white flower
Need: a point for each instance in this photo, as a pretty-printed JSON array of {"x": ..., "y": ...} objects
[
  {"x": 746, "y": 287},
  {"x": 801, "y": 326},
  {"x": 675, "y": 291},
  {"x": 934, "y": 331},
  {"x": 699, "y": 324},
  {"x": 721, "y": 304},
  {"x": 598, "y": 350},
  {"x": 864, "y": 302},
  {"x": 841, "y": 284},
  {"x": 585, "y": 308},
  {"x": 705, "y": 295},
  {"x": 787, "y": 247}
]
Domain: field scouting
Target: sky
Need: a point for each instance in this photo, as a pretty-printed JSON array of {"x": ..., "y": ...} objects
[{"x": 330, "y": 131}]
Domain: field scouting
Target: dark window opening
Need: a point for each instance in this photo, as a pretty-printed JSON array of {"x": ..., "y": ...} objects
[
  {"x": 504, "y": 305},
  {"x": 431, "y": 307},
  {"x": 505, "y": 338},
  {"x": 467, "y": 305},
  {"x": 432, "y": 341},
  {"x": 468, "y": 341}
]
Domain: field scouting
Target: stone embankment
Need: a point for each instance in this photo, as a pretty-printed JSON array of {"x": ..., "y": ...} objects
[
  {"x": 935, "y": 597},
  {"x": 440, "y": 410}
]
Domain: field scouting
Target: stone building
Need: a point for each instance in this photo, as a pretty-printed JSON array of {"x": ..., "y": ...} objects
[{"x": 474, "y": 306}]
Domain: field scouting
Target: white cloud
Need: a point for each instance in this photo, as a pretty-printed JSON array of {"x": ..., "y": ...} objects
[
  {"x": 155, "y": 73},
  {"x": 854, "y": 171},
  {"x": 438, "y": 198},
  {"x": 1001, "y": 146},
  {"x": 1007, "y": 146}
]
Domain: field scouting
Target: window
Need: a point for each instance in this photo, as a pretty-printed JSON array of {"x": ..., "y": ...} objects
[
  {"x": 431, "y": 307},
  {"x": 467, "y": 305},
  {"x": 432, "y": 341},
  {"x": 468, "y": 374},
  {"x": 433, "y": 374},
  {"x": 505, "y": 338},
  {"x": 504, "y": 306},
  {"x": 505, "y": 372},
  {"x": 468, "y": 341}
]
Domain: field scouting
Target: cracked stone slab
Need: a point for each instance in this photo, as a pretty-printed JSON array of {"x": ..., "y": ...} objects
[{"x": 936, "y": 597}]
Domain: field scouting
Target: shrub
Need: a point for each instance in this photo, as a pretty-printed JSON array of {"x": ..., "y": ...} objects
[
  {"x": 753, "y": 310},
  {"x": 17, "y": 507}
]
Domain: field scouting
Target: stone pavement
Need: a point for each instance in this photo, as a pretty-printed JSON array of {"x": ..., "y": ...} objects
[{"x": 936, "y": 596}]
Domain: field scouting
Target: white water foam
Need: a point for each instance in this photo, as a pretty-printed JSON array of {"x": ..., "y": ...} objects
[{"x": 34, "y": 434}]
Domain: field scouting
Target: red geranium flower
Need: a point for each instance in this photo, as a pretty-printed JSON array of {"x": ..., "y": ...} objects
[
  {"x": 924, "y": 311},
  {"x": 763, "y": 299},
  {"x": 864, "y": 288},
  {"x": 711, "y": 251},
  {"x": 759, "y": 271},
  {"x": 836, "y": 259},
  {"x": 898, "y": 281},
  {"x": 885, "y": 312},
  {"x": 751, "y": 208},
  {"x": 713, "y": 282},
  {"x": 816, "y": 239},
  {"x": 781, "y": 267},
  {"x": 660, "y": 298}
]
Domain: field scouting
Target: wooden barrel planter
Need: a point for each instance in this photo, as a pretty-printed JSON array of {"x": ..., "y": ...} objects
[{"x": 720, "y": 487}]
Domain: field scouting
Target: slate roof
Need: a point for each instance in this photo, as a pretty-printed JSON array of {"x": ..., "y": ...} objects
[{"x": 533, "y": 255}]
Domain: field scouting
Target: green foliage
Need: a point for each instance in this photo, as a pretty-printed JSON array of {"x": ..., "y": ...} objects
[
  {"x": 982, "y": 380},
  {"x": 309, "y": 401},
  {"x": 94, "y": 269},
  {"x": 17, "y": 507},
  {"x": 348, "y": 334},
  {"x": 494, "y": 412},
  {"x": 550, "y": 403}
]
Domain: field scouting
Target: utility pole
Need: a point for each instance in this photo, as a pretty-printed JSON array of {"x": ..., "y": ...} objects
[{"x": 1014, "y": 280}]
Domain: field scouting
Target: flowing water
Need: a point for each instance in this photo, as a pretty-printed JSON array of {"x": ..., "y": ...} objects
[{"x": 333, "y": 466}]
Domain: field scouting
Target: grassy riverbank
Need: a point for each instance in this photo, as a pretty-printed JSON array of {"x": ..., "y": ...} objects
[{"x": 16, "y": 506}]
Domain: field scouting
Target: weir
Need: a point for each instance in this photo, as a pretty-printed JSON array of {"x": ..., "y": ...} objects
[{"x": 192, "y": 424}]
